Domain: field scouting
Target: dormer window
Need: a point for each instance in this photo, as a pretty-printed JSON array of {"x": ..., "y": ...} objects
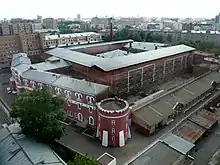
[
  {"x": 32, "y": 84},
  {"x": 78, "y": 96},
  {"x": 90, "y": 99},
  {"x": 40, "y": 85},
  {"x": 25, "y": 82},
  {"x": 58, "y": 90}
]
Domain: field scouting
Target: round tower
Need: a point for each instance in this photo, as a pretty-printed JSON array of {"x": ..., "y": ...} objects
[{"x": 113, "y": 126}]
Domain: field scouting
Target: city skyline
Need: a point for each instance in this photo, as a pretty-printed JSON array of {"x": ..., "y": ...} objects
[{"x": 170, "y": 8}]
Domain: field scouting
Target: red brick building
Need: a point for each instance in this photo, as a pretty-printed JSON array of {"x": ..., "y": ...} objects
[{"x": 132, "y": 72}]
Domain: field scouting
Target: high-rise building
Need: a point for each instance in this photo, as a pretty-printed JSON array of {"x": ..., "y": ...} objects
[{"x": 50, "y": 23}]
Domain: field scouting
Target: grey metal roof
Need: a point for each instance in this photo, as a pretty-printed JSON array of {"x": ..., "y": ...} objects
[
  {"x": 159, "y": 154},
  {"x": 145, "y": 45},
  {"x": 114, "y": 53},
  {"x": 177, "y": 143},
  {"x": 73, "y": 56},
  {"x": 20, "y": 60},
  {"x": 19, "y": 55},
  {"x": 64, "y": 82},
  {"x": 18, "y": 149},
  {"x": 99, "y": 44},
  {"x": 47, "y": 65},
  {"x": 40, "y": 76},
  {"x": 125, "y": 61},
  {"x": 148, "y": 115},
  {"x": 154, "y": 112},
  {"x": 79, "y": 85}
]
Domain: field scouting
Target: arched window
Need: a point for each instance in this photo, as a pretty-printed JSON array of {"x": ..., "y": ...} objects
[
  {"x": 58, "y": 90},
  {"x": 40, "y": 85},
  {"x": 91, "y": 120},
  {"x": 68, "y": 102},
  {"x": 80, "y": 117},
  {"x": 33, "y": 84},
  {"x": 78, "y": 96}
]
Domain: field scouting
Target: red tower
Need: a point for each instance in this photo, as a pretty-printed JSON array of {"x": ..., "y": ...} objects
[{"x": 113, "y": 128}]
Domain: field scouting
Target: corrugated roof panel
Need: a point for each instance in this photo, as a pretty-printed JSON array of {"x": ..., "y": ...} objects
[{"x": 120, "y": 62}]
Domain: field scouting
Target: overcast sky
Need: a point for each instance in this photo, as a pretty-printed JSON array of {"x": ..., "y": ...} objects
[{"x": 90, "y": 8}]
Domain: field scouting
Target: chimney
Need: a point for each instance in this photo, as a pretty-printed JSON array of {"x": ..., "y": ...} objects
[{"x": 111, "y": 29}]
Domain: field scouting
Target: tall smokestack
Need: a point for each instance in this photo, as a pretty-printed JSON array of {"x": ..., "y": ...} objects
[{"x": 111, "y": 29}]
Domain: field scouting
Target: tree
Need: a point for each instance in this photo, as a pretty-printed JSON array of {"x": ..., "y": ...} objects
[
  {"x": 39, "y": 114},
  {"x": 83, "y": 160}
]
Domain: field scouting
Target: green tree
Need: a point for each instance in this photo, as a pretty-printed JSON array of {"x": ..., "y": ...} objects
[
  {"x": 83, "y": 160},
  {"x": 39, "y": 114}
]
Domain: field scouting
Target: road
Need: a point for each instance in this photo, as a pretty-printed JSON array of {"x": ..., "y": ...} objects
[{"x": 4, "y": 83}]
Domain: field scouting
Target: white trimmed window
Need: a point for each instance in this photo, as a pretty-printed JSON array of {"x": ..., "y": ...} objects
[
  {"x": 79, "y": 106},
  {"x": 33, "y": 84},
  {"x": 90, "y": 109},
  {"x": 58, "y": 90},
  {"x": 40, "y": 85},
  {"x": 70, "y": 113},
  {"x": 91, "y": 120},
  {"x": 90, "y": 99},
  {"x": 78, "y": 96},
  {"x": 25, "y": 82},
  {"x": 69, "y": 103},
  {"x": 113, "y": 130},
  {"x": 75, "y": 115},
  {"x": 113, "y": 122},
  {"x": 67, "y": 93},
  {"x": 80, "y": 117}
]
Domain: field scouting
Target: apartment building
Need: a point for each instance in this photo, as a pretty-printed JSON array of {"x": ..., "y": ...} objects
[
  {"x": 50, "y": 23},
  {"x": 21, "y": 37},
  {"x": 9, "y": 45}
]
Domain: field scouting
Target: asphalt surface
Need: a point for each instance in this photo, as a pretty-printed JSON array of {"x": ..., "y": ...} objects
[{"x": 136, "y": 144}]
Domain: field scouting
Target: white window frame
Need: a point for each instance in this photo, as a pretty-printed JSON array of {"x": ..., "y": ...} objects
[
  {"x": 90, "y": 109},
  {"x": 78, "y": 96},
  {"x": 70, "y": 113},
  {"x": 33, "y": 84},
  {"x": 91, "y": 119},
  {"x": 67, "y": 93},
  {"x": 113, "y": 130},
  {"x": 75, "y": 115},
  {"x": 25, "y": 82},
  {"x": 58, "y": 90},
  {"x": 113, "y": 122},
  {"x": 68, "y": 102},
  {"x": 80, "y": 117},
  {"x": 90, "y": 99},
  {"x": 79, "y": 106},
  {"x": 40, "y": 85}
]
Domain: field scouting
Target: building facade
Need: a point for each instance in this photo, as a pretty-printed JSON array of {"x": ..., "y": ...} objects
[
  {"x": 130, "y": 73},
  {"x": 113, "y": 122},
  {"x": 50, "y": 23},
  {"x": 21, "y": 37},
  {"x": 81, "y": 97}
]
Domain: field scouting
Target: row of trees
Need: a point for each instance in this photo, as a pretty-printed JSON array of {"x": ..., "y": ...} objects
[
  {"x": 39, "y": 115},
  {"x": 141, "y": 36}
]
